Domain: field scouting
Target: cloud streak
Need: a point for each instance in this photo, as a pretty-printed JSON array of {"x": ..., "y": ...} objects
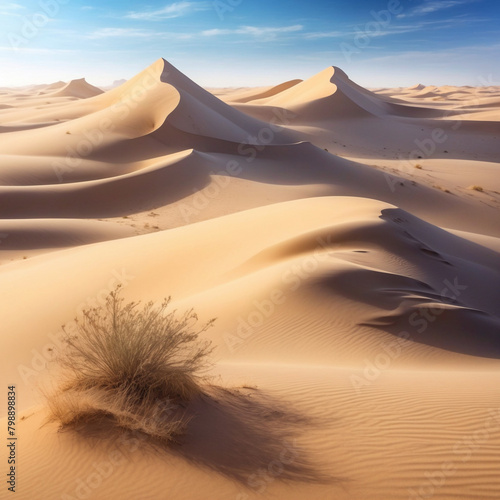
[
  {"x": 267, "y": 33},
  {"x": 11, "y": 6},
  {"x": 11, "y": 9},
  {"x": 118, "y": 33},
  {"x": 177, "y": 9},
  {"x": 439, "y": 56},
  {"x": 342, "y": 34},
  {"x": 395, "y": 30},
  {"x": 432, "y": 6}
]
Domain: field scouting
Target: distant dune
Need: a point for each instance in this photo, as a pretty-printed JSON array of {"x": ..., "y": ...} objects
[{"x": 77, "y": 88}]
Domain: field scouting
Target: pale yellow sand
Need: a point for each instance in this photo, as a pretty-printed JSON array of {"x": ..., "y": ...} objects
[{"x": 357, "y": 287}]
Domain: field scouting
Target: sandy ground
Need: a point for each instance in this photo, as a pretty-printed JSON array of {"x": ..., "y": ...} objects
[{"x": 347, "y": 241}]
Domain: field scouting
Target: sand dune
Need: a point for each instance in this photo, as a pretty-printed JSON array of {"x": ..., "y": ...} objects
[
  {"x": 448, "y": 92},
  {"x": 348, "y": 250},
  {"x": 332, "y": 94},
  {"x": 247, "y": 96},
  {"x": 54, "y": 86},
  {"x": 77, "y": 88},
  {"x": 25, "y": 238},
  {"x": 330, "y": 236},
  {"x": 418, "y": 86}
]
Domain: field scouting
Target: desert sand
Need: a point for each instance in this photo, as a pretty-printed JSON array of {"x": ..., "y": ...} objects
[{"x": 347, "y": 241}]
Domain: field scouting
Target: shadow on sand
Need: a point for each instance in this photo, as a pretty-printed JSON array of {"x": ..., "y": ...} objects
[{"x": 244, "y": 434}]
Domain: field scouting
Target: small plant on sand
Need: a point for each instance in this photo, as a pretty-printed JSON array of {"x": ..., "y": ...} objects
[
  {"x": 476, "y": 188},
  {"x": 441, "y": 188},
  {"x": 418, "y": 166},
  {"x": 131, "y": 366}
]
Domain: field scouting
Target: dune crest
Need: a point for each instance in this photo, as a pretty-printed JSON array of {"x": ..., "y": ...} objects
[{"x": 77, "y": 88}]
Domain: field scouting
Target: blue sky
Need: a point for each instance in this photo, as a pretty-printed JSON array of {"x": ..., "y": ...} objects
[{"x": 252, "y": 42}]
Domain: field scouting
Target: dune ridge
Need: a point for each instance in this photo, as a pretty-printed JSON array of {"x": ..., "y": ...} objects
[{"x": 76, "y": 88}]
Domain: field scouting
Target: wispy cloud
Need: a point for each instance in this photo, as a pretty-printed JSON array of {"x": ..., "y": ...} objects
[
  {"x": 398, "y": 30},
  {"x": 11, "y": 6},
  {"x": 171, "y": 11},
  {"x": 431, "y": 6},
  {"x": 325, "y": 34},
  {"x": 439, "y": 56},
  {"x": 11, "y": 9},
  {"x": 125, "y": 33},
  {"x": 118, "y": 33},
  {"x": 419, "y": 25},
  {"x": 267, "y": 33}
]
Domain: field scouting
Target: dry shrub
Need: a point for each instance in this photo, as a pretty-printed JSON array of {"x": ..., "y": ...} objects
[
  {"x": 135, "y": 367},
  {"x": 441, "y": 188}
]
